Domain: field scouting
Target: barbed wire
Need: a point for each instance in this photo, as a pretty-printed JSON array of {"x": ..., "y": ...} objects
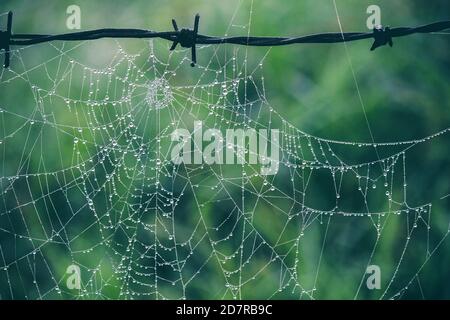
[{"x": 190, "y": 38}]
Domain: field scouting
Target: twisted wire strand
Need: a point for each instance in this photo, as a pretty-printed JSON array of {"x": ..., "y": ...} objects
[{"x": 189, "y": 38}]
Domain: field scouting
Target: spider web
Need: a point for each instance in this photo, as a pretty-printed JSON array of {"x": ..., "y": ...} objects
[{"x": 110, "y": 200}]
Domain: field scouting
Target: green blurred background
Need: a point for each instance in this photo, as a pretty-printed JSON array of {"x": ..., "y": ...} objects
[{"x": 405, "y": 90}]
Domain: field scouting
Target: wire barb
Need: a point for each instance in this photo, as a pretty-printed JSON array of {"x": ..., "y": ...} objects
[
  {"x": 187, "y": 38},
  {"x": 382, "y": 37},
  {"x": 5, "y": 39}
]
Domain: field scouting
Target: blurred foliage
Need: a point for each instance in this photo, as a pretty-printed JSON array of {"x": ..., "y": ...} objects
[{"x": 406, "y": 95}]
